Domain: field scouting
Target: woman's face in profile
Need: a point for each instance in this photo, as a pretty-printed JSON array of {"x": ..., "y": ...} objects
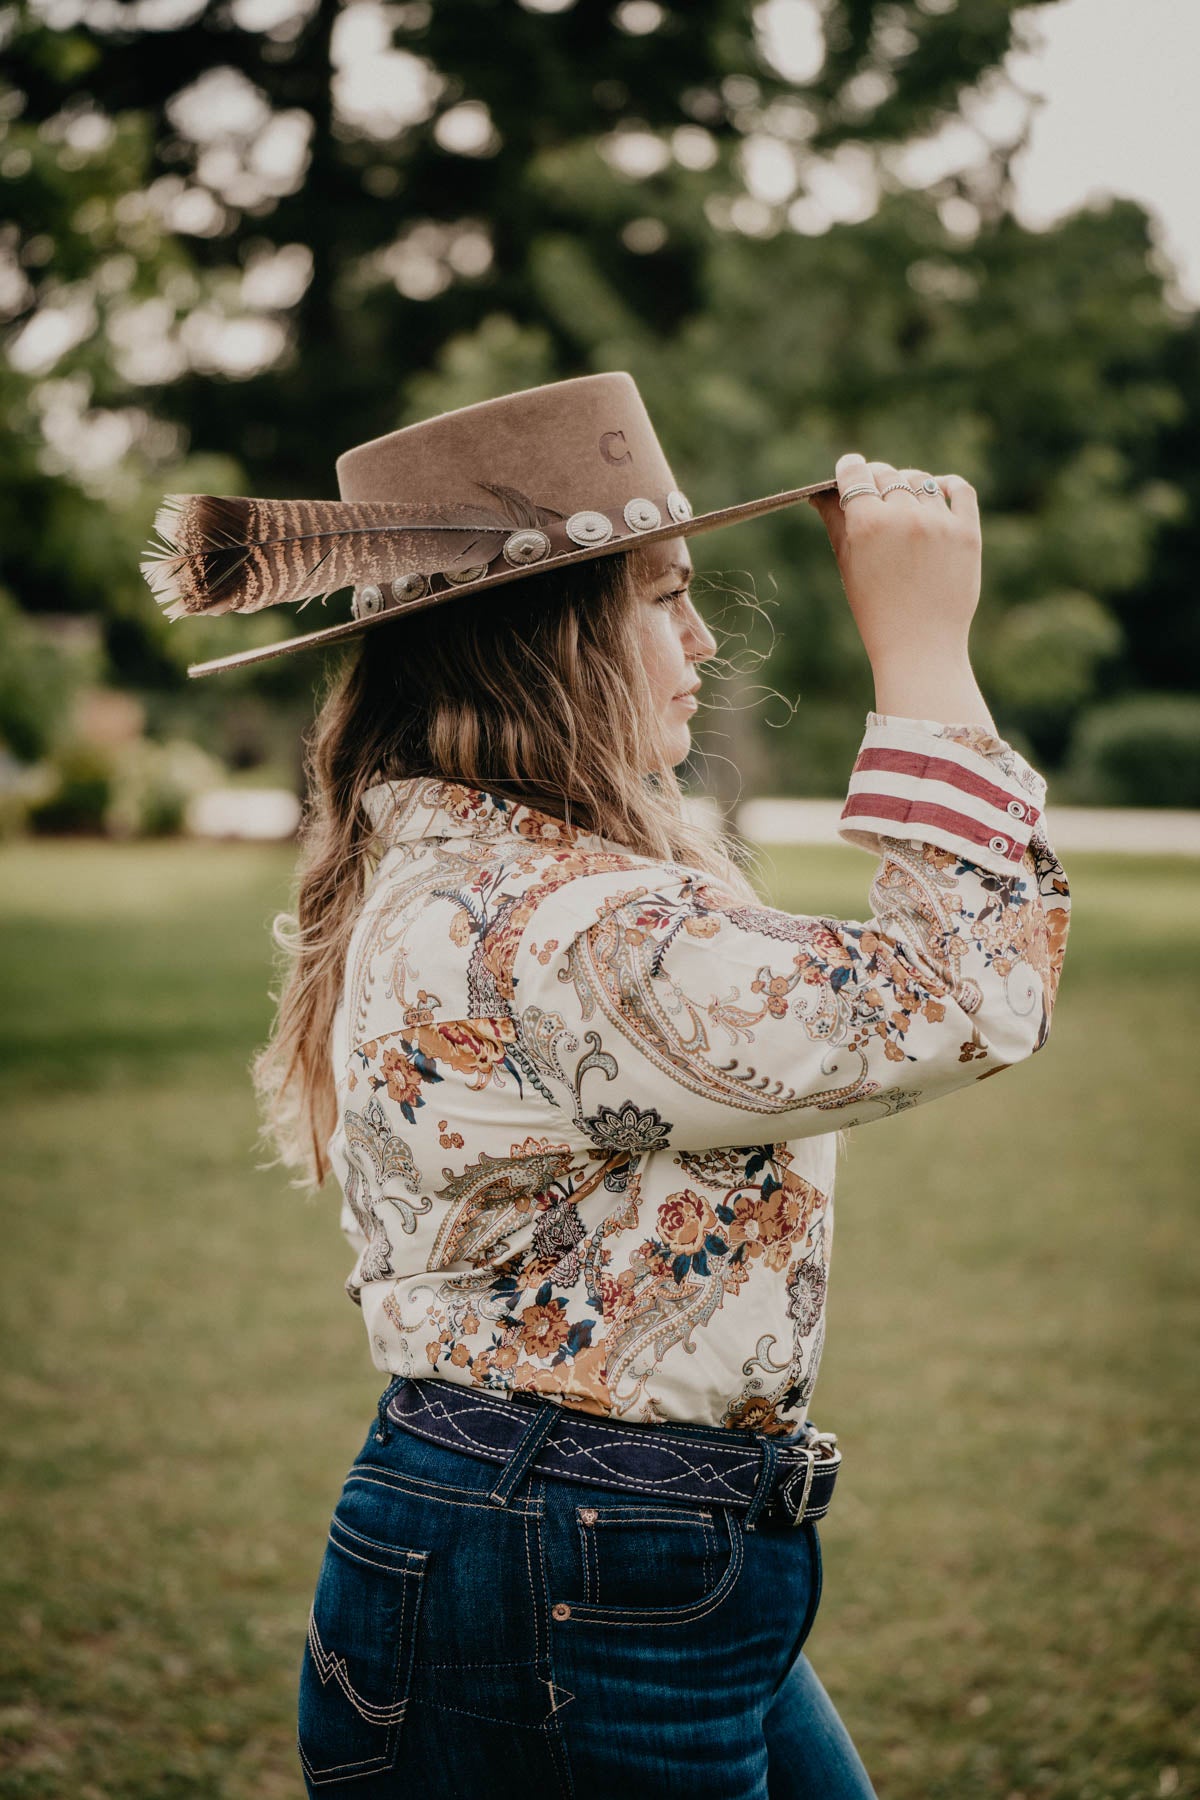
[{"x": 674, "y": 638}]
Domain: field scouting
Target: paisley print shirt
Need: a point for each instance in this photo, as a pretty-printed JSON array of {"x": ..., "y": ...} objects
[{"x": 590, "y": 1106}]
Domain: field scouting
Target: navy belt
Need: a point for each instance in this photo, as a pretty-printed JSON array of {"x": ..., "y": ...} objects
[{"x": 782, "y": 1481}]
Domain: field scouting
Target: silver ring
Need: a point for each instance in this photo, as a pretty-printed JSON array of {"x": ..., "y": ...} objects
[
  {"x": 930, "y": 486},
  {"x": 906, "y": 485},
  {"x": 863, "y": 487}
]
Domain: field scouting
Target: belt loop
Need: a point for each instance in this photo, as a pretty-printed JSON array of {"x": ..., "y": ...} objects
[
  {"x": 765, "y": 1482},
  {"x": 384, "y": 1429},
  {"x": 527, "y": 1447}
]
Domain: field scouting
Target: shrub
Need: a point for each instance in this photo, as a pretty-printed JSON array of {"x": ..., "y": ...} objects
[
  {"x": 1138, "y": 750},
  {"x": 1043, "y": 655},
  {"x": 79, "y": 799},
  {"x": 153, "y": 783},
  {"x": 136, "y": 789},
  {"x": 38, "y": 681}
]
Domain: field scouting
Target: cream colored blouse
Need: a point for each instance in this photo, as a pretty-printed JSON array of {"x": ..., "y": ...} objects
[{"x": 589, "y": 1105}]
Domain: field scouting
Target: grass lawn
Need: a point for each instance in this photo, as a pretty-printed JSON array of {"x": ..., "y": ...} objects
[{"x": 1009, "y": 1608}]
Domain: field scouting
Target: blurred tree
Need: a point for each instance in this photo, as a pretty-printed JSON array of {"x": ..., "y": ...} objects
[{"x": 234, "y": 223}]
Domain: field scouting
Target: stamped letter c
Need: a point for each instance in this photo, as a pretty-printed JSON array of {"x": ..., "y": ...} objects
[{"x": 608, "y": 449}]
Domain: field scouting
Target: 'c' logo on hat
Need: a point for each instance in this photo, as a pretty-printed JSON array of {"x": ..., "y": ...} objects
[{"x": 608, "y": 451}]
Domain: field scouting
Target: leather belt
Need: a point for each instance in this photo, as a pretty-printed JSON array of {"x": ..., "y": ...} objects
[{"x": 679, "y": 1462}]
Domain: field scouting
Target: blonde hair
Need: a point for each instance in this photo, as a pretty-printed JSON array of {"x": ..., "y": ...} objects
[{"x": 532, "y": 691}]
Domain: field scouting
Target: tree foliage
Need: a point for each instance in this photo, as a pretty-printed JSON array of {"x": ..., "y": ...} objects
[{"x": 244, "y": 234}]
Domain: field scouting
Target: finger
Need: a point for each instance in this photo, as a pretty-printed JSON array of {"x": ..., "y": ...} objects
[
  {"x": 887, "y": 477},
  {"x": 962, "y": 498},
  {"x": 854, "y": 471},
  {"x": 917, "y": 479}
]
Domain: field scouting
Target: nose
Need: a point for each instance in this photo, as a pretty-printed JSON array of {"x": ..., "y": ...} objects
[{"x": 701, "y": 642}]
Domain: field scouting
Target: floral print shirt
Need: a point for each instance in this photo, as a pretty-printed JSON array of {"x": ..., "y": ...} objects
[{"x": 590, "y": 1106}]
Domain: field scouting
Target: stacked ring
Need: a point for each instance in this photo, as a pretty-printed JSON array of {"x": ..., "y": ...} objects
[{"x": 863, "y": 487}]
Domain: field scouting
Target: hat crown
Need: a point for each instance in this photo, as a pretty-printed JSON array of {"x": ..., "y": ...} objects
[{"x": 569, "y": 447}]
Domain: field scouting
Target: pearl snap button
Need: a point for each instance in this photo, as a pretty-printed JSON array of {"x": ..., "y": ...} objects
[
  {"x": 561, "y": 1610},
  {"x": 1016, "y": 809},
  {"x": 999, "y": 844},
  {"x": 679, "y": 506},
  {"x": 589, "y": 528}
]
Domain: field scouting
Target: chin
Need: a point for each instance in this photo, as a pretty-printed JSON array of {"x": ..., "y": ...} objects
[{"x": 679, "y": 746}]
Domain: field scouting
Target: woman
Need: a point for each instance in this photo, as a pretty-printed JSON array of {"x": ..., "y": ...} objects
[{"x": 584, "y": 1094}]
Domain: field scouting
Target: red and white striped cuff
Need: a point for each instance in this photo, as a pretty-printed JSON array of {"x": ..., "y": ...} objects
[{"x": 910, "y": 782}]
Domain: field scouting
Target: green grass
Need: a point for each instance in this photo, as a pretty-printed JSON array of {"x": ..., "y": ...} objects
[{"x": 1009, "y": 1607}]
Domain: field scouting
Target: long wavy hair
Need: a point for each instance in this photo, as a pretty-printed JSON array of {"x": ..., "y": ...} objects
[{"x": 534, "y": 691}]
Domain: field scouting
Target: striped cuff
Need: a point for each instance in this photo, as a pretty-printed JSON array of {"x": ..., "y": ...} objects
[{"x": 919, "y": 779}]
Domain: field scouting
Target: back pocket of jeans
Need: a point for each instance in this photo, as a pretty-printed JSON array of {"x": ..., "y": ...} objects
[
  {"x": 357, "y": 1666},
  {"x": 648, "y": 1556}
]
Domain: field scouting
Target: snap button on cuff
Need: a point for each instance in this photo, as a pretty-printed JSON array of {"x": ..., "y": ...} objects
[
  {"x": 1000, "y": 845},
  {"x": 1016, "y": 809}
]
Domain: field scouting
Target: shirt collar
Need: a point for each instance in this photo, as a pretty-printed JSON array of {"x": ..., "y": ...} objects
[{"x": 419, "y": 806}]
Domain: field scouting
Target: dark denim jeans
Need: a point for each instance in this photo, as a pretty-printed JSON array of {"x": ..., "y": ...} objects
[{"x": 575, "y": 1642}]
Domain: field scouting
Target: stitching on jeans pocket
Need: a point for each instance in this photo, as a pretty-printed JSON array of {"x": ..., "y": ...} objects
[
  {"x": 357, "y": 1666},
  {"x": 596, "y": 1609}
]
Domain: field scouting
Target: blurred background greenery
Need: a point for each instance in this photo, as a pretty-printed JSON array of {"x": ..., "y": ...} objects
[
  {"x": 240, "y": 236},
  {"x": 243, "y": 235}
]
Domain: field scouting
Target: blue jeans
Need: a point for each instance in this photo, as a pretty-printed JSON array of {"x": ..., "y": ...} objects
[{"x": 577, "y": 1641}]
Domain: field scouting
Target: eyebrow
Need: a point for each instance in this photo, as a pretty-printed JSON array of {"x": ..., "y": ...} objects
[{"x": 685, "y": 569}]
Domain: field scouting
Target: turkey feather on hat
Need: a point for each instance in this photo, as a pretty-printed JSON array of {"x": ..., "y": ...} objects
[{"x": 238, "y": 555}]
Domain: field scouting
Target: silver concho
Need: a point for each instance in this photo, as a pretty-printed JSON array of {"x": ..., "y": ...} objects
[
  {"x": 367, "y": 602},
  {"x": 642, "y": 515},
  {"x": 528, "y": 546},
  {"x": 588, "y": 528},
  {"x": 679, "y": 506},
  {"x": 467, "y": 572},
  {"x": 408, "y": 587}
]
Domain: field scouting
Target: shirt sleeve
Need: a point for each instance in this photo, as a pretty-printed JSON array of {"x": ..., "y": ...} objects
[{"x": 669, "y": 1013}]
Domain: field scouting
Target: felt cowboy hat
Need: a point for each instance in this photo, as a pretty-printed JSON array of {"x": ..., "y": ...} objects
[{"x": 527, "y": 483}]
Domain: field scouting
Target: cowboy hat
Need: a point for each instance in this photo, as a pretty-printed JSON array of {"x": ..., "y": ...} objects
[{"x": 527, "y": 483}]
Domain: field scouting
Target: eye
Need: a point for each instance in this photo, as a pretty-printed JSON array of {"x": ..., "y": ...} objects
[{"x": 674, "y": 598}]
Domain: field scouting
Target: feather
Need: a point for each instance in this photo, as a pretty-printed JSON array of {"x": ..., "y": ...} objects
[{"x": 218, "y": 555}]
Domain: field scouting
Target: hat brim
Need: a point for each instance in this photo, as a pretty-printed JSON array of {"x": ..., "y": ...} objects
[{"x": 710, "y": 521}]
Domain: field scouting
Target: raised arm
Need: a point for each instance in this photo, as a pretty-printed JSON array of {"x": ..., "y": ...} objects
[
  {"x": 717, "y": 1023},
  {"x": 685, "y": 1019}
]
